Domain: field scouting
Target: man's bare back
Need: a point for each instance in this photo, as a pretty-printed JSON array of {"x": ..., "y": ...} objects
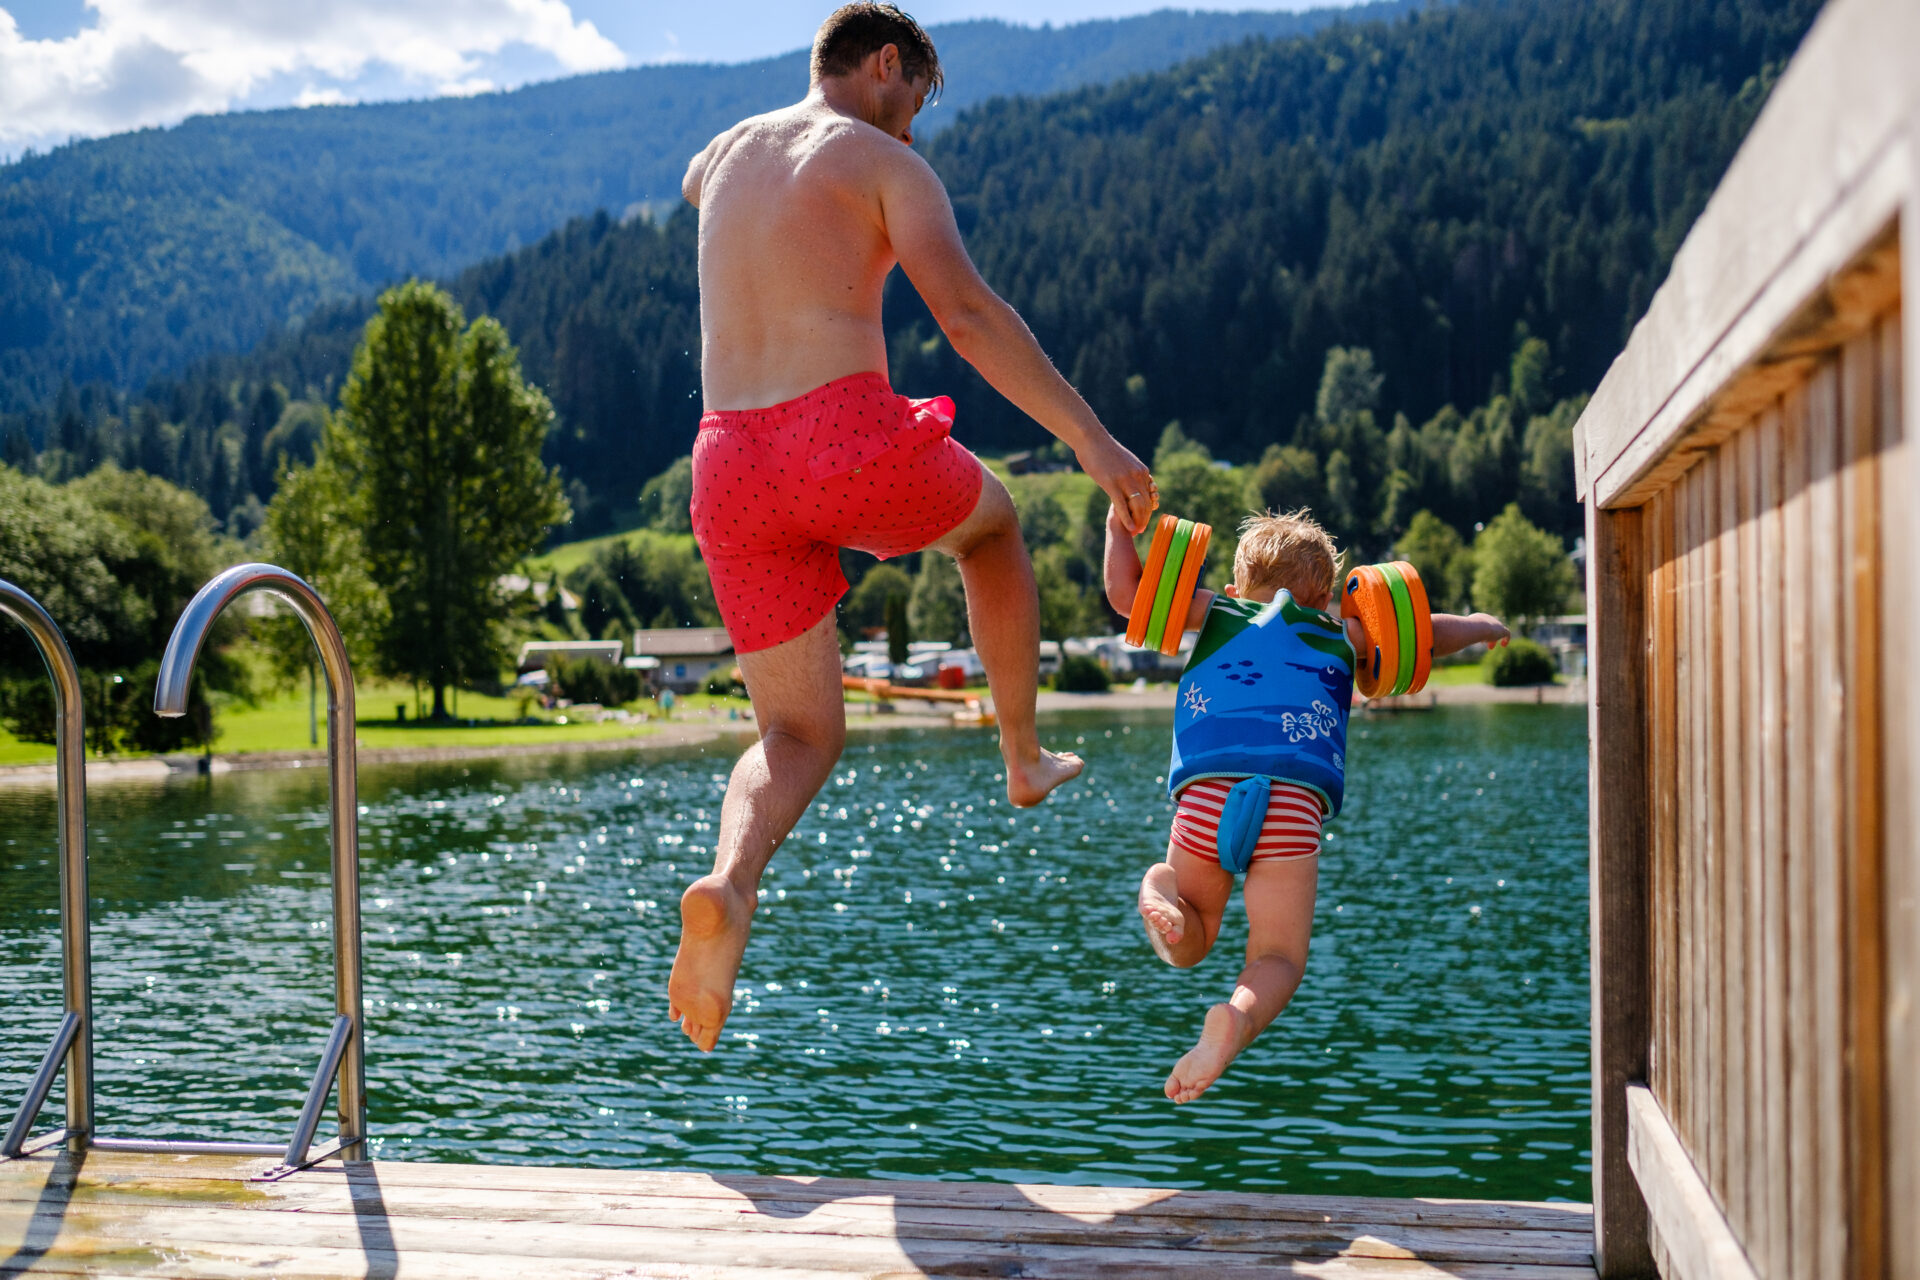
[{"x": 793, "y": 254}]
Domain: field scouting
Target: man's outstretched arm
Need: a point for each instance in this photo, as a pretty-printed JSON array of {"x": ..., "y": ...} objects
[{"x": 991, "y": 336}]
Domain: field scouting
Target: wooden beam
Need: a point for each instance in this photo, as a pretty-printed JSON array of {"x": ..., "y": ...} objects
[
  {"x": 1699, "y": 1243},
  {"x": 1617, "y": 715},
  {"x": 1900, "y": 919},
  {"x": 1763, "y": 246}
]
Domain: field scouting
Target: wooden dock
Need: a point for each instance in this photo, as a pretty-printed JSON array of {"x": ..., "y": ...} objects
[{"x": 204, "y": 1216}]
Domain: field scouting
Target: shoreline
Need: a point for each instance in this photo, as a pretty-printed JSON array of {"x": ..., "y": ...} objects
[{"x": 675, "y": 735}]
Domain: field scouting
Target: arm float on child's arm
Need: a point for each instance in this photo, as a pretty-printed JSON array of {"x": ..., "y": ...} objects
[
  {"x": 1391, "y": 603},
  {"x": 1167, "y": 584}
]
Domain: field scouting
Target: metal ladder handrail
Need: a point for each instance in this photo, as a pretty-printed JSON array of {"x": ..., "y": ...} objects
[
  {"x": 73, "y": 1042},
  {"x": 343, "y": 1060}
]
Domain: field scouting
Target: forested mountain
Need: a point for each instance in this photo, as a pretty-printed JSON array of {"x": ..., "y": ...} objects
[
  {"x": 130, "y": 256},
  {"x": 1467, "y": 192}
]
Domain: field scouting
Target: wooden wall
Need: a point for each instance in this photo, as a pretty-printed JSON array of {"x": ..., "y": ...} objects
[{"x": 1763, "y": 589}]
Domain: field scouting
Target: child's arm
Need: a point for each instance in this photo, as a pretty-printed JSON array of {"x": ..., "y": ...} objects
[
  {"x": 1123, "y": 570},
  {"x": 1451, "y": 633}
]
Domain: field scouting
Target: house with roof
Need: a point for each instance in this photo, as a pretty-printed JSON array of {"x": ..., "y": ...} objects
[{"x": 687, "y": 655}]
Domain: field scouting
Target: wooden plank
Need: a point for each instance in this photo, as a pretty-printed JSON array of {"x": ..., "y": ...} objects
[
  {"x": 1731, "y": 669},
  {"x": 1773, "y": 808},
  {"x": 1651, "y": 661},
  {"x": 1663, "y": 657},
  {"x": 1698, "y": 1128},
  {"x": 1618, "y": 872},
  {"x": 235, "y": 1262},
  {"x": 1752, "y": 862},
  {"x": 1899, "y": 398},
  {"x": 1827, "y": 816},
  {"x": 1710, "y": 895},
  {"x": 1699, "y": 1243},
  {"x": 1822, "y": 297},
  {"x": 1831, "y": 121},
  {"x": 535, "y": 1243},
  {"x": 1680, "y": 1102},
  {"x": 28, "y": 1177},
  {"x": 1802, "y": 1142},
  {"x": 229, "y": 1261},
  {"x": 860, "y": 1218},
  {"x": 1860, "y": 771}
]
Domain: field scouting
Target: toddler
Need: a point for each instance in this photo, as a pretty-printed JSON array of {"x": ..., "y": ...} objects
[{"x": 1264, "y": 696}]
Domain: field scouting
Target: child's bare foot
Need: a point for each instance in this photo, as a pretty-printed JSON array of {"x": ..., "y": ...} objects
[
  {"x": 714, "y": 923},
  {"x": 1221, "y": 1040},
  {"x": 1160, "y": 908},
  {"x": 1028, "y": 782}
]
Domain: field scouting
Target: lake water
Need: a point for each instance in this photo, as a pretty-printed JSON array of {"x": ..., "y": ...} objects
[{"x": 938, "y": 986}]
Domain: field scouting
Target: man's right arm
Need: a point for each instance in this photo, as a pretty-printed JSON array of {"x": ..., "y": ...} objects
[{"x": 990, "y": 335}]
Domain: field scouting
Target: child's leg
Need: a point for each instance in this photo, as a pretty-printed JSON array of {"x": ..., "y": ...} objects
[
  {"x": 1182, "y": 900},
  {"x": 1279, "y": 896}
]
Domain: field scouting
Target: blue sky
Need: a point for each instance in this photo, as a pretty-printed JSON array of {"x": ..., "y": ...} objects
[{"x": 79, "y": 68}]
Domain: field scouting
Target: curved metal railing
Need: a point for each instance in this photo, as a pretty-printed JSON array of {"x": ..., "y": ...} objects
[
  {"x": 73, "y": 1042},
  {"x": 343, "y": 1059}
]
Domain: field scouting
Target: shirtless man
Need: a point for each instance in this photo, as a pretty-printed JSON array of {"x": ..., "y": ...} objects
[{"x": 805, "y": 449}]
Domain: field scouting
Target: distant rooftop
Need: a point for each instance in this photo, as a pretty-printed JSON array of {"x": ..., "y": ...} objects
[{"x": 683, "y": 642}]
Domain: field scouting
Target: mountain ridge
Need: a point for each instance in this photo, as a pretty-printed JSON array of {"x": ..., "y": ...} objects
[{"x": 126, "y": 257}]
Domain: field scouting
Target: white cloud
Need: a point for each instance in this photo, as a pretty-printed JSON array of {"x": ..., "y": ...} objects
[
  {"x": 146, "y": 62},
  {"x": 319, "y": 96}
]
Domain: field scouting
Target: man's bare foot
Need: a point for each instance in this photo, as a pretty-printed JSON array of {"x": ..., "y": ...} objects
[
  {"x": 1160, "y": 908},
  {"x": 714, "y": 922},
  {"x": 1028, "y": 782},
  {"x": 1221, "y": 1041}
]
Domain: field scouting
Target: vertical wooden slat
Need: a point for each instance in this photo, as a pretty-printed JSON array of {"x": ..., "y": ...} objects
[
  {"x": 1900, "y": 764},
  {"x": 1686, "y": 804},
  {"x": 1731, "y": 671},
  {"x": 1753, "y": 858},
  {"x": 1773, "y": 827},
  {"x": 1826, "y": 816},
  {"x": 1706, "y": 696},
  {"x": 1700, "y": 828},
  {"x": 1660, "y": 659},
  {"x": 1860, "y": 771},
  {"x": 1617, "y": 812},
  {"x": 1801, "y": 1120},
  {"x": 1686, "y": 812}
]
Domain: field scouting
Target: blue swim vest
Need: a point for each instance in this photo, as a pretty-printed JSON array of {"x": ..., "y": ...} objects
[{"x": 1266, "y": 693}]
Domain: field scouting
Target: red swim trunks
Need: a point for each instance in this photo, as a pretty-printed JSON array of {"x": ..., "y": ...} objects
[{"x": 778, "y": 491}]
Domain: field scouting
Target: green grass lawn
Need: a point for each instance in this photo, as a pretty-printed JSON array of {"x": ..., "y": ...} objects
[
  {"x": 15, "y": 752},
  {"x": 568, "y": 556},
  {"x": 1458, "y": 674},
  {"x": 278, "y": 722}
]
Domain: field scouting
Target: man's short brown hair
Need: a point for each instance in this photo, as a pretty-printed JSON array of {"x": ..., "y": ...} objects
[
  {"x": 1288, "y": 551},
  {"x": 853, "y": 31}
]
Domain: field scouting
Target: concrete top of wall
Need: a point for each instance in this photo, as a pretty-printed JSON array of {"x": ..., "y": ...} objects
[{"x": 1814, "y": 193}]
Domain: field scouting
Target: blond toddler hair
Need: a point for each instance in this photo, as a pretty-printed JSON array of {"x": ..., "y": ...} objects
[{"x": 1290, "y": 552}]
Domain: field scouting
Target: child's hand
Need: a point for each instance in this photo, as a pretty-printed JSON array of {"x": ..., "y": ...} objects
[{"x": 1493, "y": 632}]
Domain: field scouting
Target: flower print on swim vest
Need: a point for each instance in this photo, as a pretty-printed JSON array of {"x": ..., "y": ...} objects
[{"x": 1318, "y": 721}]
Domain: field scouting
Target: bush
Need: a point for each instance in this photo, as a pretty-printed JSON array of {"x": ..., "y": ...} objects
[
  {"x": 720, "y": 683},
  {"x": 1520, "y": 662},
  {"x": 590, "y": 680},
  {"x": 1079, "y": 674}
]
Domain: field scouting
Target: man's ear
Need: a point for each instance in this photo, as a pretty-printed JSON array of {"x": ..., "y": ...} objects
[{"x": 889, "y": 65}]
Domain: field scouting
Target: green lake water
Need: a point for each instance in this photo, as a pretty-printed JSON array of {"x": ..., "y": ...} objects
[{"x": 938, "y": 986}]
